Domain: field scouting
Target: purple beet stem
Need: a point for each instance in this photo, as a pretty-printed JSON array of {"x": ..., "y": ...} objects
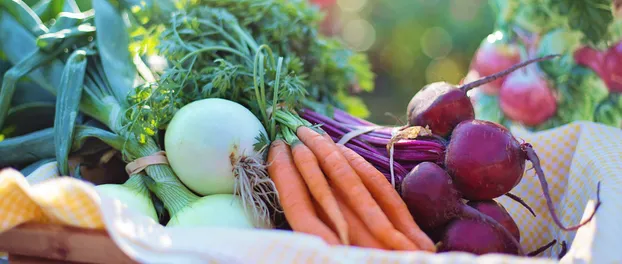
[
  {"x": 382, "y": 161},
  {"x": 374, "y": 137},
  {"x": 373, "y": 145},
  {"x": 343, "y": 117}
]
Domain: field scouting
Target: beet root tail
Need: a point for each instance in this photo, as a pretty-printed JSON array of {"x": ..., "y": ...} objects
[
  {"x": 520, "y": 201},
  {"x": 563, "y": 251},
  {"x": 533, "y": 157},
  {"x": 542, "y": 249},
  {"x": 466, "y": 87}
]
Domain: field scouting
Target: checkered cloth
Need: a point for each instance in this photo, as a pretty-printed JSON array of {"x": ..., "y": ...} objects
[{"x": 574, "y": 158}]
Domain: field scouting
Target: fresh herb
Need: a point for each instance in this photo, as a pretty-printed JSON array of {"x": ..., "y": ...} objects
[{"x": 230, "y": 49}]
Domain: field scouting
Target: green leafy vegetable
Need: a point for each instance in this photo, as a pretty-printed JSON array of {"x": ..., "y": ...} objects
[
  {"x": 562, "y": 27},
  {"x": 591, "y": 17},
  {"x": 229, "y": 49},
  {"x": 66, "y": 25},
  {"x": 560, "y": 41},
  {"x": 112, "y": 45},
  {"x": 40, "y": 144},
  {"x": 579, "y": 95},
  {"x": 15, "y": 73},
  {"x": 487, "y": 107},
  {"x": 263, "y": 54},
  {"x": 29, "y": 117},
  {"x": 24, "y": 15},
  {"x": 609, "y": 111},
  {"x": 67, "y": 106},
  {"x": 27, "y": 148}
]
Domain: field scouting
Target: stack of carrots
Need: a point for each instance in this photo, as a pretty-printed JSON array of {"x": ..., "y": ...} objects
[{"x": 328, "y": 190}]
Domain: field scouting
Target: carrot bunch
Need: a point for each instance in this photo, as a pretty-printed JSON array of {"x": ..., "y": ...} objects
[{"x": 330, "y": 191}]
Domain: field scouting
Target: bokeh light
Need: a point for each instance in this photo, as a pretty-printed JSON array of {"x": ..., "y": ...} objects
[
  {"x": 497, "y": 35},
  {"x": 359, "y": 34},
  {"x": 436, "y": 42},
  {"x": 465, "y": 10},
  {"x": 351, "y": 5},
  {"x": 398, "y": 58},
  {"x": 410, "y": 43},
  {"x": 443, "y": 70}
]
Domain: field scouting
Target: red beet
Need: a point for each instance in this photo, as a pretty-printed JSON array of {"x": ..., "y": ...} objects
[
  {"x": 526, "y": 97},
  {"x": 607, "y": 64},
  {"x": 613, "y": 66},
  {"x": 592, "y": 58},
  {"x": 476, "y": 237},
  {"x": 435, "y": 234},
  {"x": 497, "y": 211},
  {"x": 433, "y": 200},
  {"x": 486, "y": 161},
  {"x": 430, "y": 195},
  {"x": 441, "y": 106},
  {"x": 495, "y": 54}
]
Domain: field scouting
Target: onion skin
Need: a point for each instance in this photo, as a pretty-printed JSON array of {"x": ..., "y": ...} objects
[
  {"x": 218, "y": 210},
  {"x": 133, "y": 199},
  {"x": 206, "y": 139}
]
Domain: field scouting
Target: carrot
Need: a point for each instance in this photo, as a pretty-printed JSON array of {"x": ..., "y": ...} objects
[
  {"x": 323, "y": 216},
  {"x": 388, "y": 199},
  {"x": 310, "y": 170},
  {"x": 359, "y": 233},
  {"x": 339, "y": 171},
  {"x": 294, "y": 195}
]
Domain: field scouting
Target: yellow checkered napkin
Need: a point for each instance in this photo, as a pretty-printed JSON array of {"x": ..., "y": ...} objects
[
  {"x": 61, "y": 200},
  {"x": 574, "y": 158}
]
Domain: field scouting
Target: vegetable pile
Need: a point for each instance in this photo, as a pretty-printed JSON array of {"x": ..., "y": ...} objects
[
  {"x": 482, "y": 161},
  {"x": 582, "y": 84},
  {"x": 236, "y": 113}
]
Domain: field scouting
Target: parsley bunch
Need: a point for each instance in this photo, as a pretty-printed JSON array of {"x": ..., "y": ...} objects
[{"x": 260, "y": 53}]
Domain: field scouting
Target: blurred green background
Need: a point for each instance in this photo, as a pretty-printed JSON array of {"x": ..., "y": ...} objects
[{"x": 410, "y": 43}]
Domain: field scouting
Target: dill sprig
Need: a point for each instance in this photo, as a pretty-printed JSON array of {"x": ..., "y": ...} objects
[{"x": 260, "y": 53}]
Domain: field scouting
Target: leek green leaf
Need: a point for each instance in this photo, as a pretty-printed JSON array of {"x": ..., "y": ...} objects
[
  {"x": 40, "y": 145},
  {"x": 27, "y": 148},
  {"x": 24, "y": 15},
  {"x": 67, "y": 107},
  {"x": 51, "y": 41},
  {"x": 48, "y": 9},
  {"x": 30, "y": 117},
  {"x": 18, "y": 71},
  {"x": 112, "y": 43}
]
